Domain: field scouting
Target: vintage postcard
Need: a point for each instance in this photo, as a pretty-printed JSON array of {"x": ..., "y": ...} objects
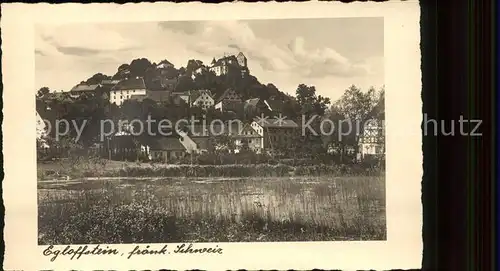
[{"x": 212, "y": 136}]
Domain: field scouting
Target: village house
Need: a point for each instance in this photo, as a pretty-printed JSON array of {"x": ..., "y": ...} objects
[
  {"x": 256, "y": 106},
  {"x": 229, "y": 101},
  {"x": 164, "y": 64},
  {"x": 125, "y": 89},
  {"x": 225, "y": 64},
  {"x": 233, "y": 136},
  {"x": 276, "y": 134},
  {"x": 201, "y": 98},
  {"x": 371, "y": 140},
  {"x": 246, "y": 138},
  {"x": 121, "y": 146},
  {"x": 107, "y": 85},
  {"x": 164, "y": 149},
  {"x": 83, "y": 88}
]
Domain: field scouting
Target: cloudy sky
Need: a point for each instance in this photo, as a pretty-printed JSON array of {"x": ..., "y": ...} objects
[{"x": 330, "y": 54}]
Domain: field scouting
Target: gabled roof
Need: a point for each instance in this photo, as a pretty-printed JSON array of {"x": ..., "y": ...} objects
[
  {"x": 85, "y": 87},
  {"x": 197, "y": 93},
  {"x": 131, "y": 83},
  {"x": 165, "y": 63},
  {"x": 226, "y": 93},
  {"x": 252, "y": 102}
]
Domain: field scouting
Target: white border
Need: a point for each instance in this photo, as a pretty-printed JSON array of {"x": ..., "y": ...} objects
[{"x": 403, "y": 248}]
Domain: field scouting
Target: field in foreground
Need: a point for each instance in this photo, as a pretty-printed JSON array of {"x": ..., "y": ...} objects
[{"x": 176, "y": 209}]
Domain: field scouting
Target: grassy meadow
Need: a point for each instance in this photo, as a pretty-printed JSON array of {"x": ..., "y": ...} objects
[{"x": 162, "y": 207}]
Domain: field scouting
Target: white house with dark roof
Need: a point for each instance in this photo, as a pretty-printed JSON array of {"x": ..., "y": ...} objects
[
  {"x": 202, "y": 98},
  {"x": 126, "y": 88}
]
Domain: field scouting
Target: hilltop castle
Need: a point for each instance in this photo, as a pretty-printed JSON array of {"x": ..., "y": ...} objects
[{"x": 227, "y": 63}]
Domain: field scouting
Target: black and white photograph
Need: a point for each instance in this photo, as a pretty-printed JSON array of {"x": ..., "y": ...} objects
[
  {"x": 211, "y": 131},
  {"x": 204, "y": 134}
]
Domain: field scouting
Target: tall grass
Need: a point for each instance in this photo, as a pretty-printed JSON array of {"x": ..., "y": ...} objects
[
  {"x": 234, "y": 170},
  {"x": 206, "y": 210}
]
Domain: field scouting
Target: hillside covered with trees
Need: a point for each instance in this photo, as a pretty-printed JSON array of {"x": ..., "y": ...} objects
[{"x": 306, "y": 103}]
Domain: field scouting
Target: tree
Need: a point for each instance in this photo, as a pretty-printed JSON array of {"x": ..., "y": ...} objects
[
  {"x": 185, "y": 83},
  {"x": 338, "y": 133},
  {"x": 138, "y": 67},
  {"x": 97, "y": 79},
  {"x": 357, "y": 107},
  {"x": 42, "y": 92},
  {"x": 310, "y": 103}
]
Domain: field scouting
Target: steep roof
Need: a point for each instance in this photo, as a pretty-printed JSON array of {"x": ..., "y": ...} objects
[
  {"x": 252, "y": 102},
  {"x": 197, "y": 93},
  {"x": 226, "y": 93},
  {"x": 131, "y": 83}
]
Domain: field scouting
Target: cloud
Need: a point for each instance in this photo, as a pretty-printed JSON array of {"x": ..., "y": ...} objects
[
  {"x": 285, "y": 59},
  {"x": 84, "y": 39},
  {"x": 187, "y": 27},
  {"x": 77, "y": 51},
  {"x": 220, "y": 37}
]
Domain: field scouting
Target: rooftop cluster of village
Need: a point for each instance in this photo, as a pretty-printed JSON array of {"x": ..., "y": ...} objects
[{"x": 224, "y": 86}]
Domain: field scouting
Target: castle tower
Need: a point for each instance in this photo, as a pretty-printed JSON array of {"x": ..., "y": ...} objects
[{"x": 242, "y": 60}]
